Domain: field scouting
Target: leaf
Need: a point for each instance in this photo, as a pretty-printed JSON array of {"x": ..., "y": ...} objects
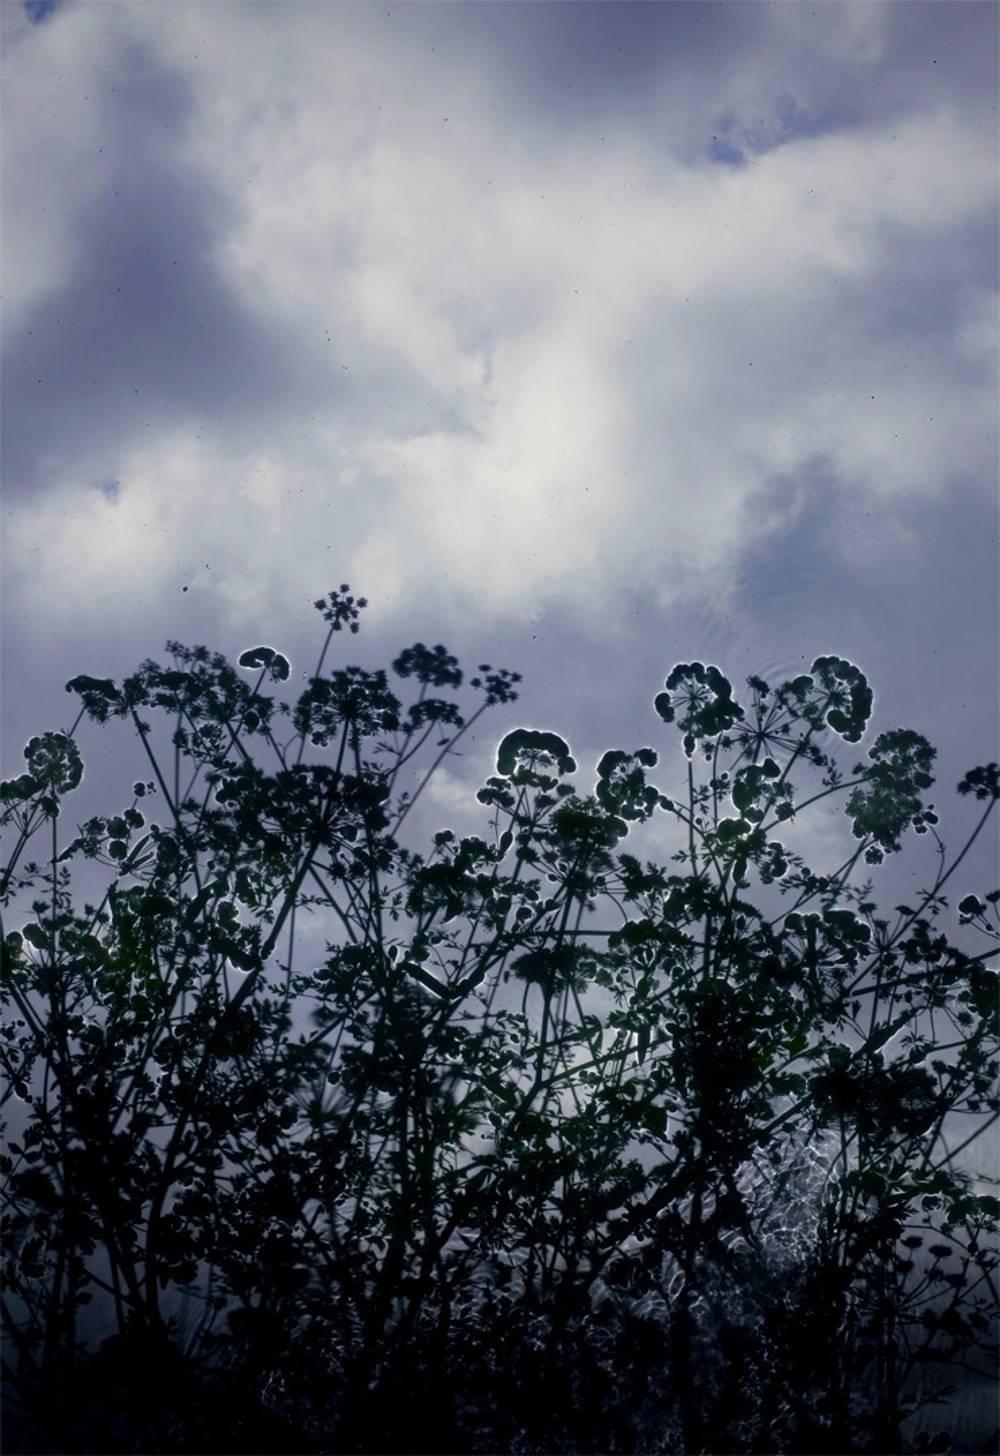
[
  {"x": 431, "y": 983},
  {"x": 882, "y": 1034},
  {"x": 36, "y": 1186},
  {"x": 136, "y": 858}
]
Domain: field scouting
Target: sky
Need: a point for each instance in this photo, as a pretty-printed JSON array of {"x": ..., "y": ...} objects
[{"x": 585, "y": 338}]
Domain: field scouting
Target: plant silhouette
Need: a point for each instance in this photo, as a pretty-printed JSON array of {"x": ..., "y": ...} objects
[{"x": 550, "y": 1147}]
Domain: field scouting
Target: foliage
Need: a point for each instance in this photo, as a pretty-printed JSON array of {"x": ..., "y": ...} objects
[{"x": 547, "y": 1146}]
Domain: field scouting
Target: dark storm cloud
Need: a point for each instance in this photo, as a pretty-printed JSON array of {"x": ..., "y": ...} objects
[
  {"x": 624, "y": 60},
  {"x": 146, "y": 328},
  {"x": 923, "y": 299},
  {"x": 875, "y": 581},
  {"x": 591, "y": 66},
  {"x": 579, "y": 58},
  {"x": 753, "y": 76},
  {"x": 952, "y": 48},
  {"x": 934, "y": 54}
]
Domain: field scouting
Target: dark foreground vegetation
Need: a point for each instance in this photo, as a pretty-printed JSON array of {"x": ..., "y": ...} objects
[{"x": 520, "y": 1142}]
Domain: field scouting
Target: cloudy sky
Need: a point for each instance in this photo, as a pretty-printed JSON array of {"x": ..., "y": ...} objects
[{"x": 581, "y": 337}]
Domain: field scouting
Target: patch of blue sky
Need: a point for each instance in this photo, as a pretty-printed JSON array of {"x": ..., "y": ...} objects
[
  {"x": 736, "y": 140},
  {"x": 38, "y": 11},
  {"x": 723, "y": 151}
]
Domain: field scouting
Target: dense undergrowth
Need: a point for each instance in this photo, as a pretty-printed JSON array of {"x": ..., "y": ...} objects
[{"x": 515, "y": 1142}]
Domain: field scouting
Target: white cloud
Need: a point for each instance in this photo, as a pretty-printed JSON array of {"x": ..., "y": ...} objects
[
  {"x": 855, "y": 31},
  {"x": 552, "y": 362}
]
